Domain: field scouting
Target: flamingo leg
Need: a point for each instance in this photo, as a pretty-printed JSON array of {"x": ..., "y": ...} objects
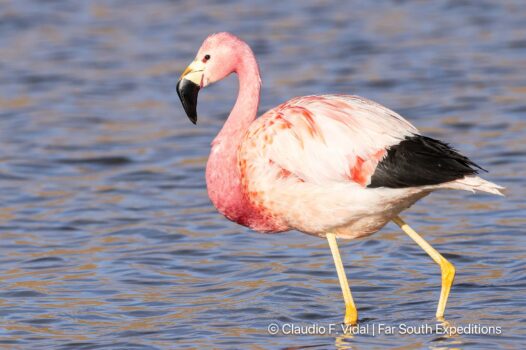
[
  {"x": 351, "y": 315},
  {"x": 447, "y": 269}
]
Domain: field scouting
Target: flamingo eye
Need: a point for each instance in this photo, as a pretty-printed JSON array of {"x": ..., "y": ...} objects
[{"x": 207, "y": 57}]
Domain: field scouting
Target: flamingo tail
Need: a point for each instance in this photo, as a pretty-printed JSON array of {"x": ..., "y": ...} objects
[{"x": 475, "y": 184}]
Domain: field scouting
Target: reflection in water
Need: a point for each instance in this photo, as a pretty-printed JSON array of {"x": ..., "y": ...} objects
[
  {"x": 108, "y": 238},
  {"x": 343, "y": 341}
]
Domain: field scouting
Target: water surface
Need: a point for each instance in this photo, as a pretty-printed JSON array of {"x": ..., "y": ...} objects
[{"x": 108, "y": 239}]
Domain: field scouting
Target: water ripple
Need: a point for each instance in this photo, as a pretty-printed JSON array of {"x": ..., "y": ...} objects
[{"x": 109, "y": 240}]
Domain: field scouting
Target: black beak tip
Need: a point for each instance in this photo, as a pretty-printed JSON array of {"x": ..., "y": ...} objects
[{"x": 188, "y": 91}]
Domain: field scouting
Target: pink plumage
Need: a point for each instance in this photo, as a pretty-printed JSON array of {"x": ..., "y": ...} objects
[{"x": 306, "y": 164}]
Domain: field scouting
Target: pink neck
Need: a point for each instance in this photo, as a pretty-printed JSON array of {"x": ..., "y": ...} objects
[
  {"x": 246, "y": 106},
  {"x": 222, "y": 172}
]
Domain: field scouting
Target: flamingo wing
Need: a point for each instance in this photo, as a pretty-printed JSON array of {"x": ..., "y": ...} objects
[
  {"x": 329, "y": 138},
  {"x": 343, "y": 163},
  {"x": 345, "y": 138},
  {"x": 420, "y": 161}
]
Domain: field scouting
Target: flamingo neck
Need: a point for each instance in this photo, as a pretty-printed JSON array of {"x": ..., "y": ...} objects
[
  {"x": 222, "y": 172},
  {"x": 247, "y": 102}
]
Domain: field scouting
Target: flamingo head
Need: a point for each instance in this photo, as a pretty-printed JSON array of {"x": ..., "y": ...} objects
[{"x": 216, "y": 59}]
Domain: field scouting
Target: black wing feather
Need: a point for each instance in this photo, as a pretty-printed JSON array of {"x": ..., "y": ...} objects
[{"x": 419, "y": 161}]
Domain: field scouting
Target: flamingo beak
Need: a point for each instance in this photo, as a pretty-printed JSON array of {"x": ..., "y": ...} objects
[
  {"x": 187, "y": 91},
  {"x": 188, "y": 88}
]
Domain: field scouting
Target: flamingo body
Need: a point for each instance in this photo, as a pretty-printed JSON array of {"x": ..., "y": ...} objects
[
  {"x": 328, "y": 165},
  {"x": 317, "y": 164},
  {"x": 307, "y": 162}
]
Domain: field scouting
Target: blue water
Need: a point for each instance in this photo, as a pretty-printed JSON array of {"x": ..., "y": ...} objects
[{"x": 107, "y": 236}]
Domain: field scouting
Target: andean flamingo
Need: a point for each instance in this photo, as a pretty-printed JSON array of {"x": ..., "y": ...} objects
[{"x": 334, "y": 166}]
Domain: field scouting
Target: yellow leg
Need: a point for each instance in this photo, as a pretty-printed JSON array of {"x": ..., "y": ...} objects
[
  {"x": 351, "y": 315},
  {"x": 447, "y": 269}
]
